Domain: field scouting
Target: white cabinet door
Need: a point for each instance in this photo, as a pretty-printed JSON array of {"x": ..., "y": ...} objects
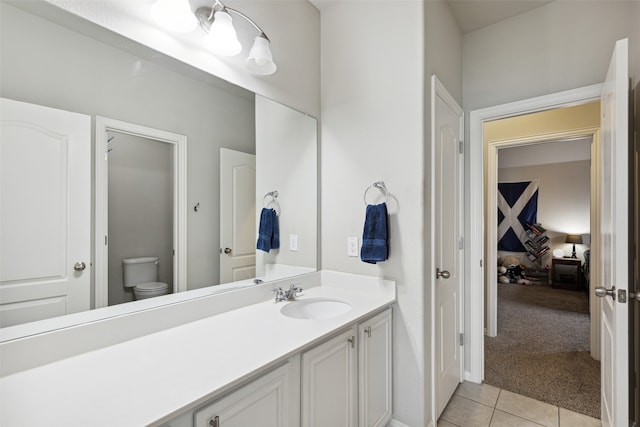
[
  {"x": 329, "y": 381},
  {"x": 270, "y": 401},
  {"x": 375, "y": 371}
]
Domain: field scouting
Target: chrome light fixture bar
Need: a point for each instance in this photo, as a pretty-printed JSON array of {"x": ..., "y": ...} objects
[{"x": 222, "y": 38}]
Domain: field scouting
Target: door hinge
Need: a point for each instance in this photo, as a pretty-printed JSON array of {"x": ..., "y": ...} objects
[
  {"x": 461, "y": 339},
  {"x": 461, "y": 146},
  {"x": 106, "y": 240},
  {"x": 460, "y": 243}
]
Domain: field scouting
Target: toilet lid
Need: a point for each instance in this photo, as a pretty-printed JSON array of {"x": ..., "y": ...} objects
[{"x": 151, "y": 286}]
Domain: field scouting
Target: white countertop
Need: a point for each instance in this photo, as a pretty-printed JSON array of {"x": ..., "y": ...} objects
[{"x": 150, "y": 379}]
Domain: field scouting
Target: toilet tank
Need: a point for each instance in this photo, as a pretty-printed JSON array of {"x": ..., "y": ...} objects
[{"x": 139, "y": 270}]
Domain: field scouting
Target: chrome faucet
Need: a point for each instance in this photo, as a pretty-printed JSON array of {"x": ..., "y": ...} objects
[{"x": 288, "y": 295}]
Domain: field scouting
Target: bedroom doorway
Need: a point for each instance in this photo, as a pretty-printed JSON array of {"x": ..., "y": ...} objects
[{"x": 542, "y": 346}]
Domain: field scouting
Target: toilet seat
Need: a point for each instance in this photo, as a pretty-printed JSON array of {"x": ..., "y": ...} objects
[
  {"x": 151, "y": 287},
  {"x": 150, "y": 290}
]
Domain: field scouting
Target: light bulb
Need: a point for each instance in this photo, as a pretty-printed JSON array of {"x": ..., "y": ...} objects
[
  {"x": 222, "y": 38},
  {"x": 260, "y": 60},
  {"x": 174, "y": 15}
]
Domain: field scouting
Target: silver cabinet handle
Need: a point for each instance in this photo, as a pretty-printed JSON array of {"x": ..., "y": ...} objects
[
  {"x": 603, "y": 292},
  {"x": 444, "y": 274},
  {"x": 634, "y": 296},
  {"x": 79, "y": 266},
  {"x": 228, "y": 251}
]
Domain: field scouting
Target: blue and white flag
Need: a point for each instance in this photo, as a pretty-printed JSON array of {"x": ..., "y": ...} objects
[{"x": 517, "y": 208}]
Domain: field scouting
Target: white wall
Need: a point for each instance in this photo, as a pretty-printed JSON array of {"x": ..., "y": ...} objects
[
  {"x": 559, "y": 46},
  {"x": 374, "y": 127}
]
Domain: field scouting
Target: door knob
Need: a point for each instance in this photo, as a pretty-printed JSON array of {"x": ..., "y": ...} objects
[
  {"x": 79, "y": 266},
  {"x": 634, "y": 295},
  {"x": 603, "y": 292},
  {"x": 228, "y": 251},
  {"x": 444, "y": 274}
]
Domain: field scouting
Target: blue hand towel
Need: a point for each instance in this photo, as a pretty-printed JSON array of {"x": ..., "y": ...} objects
[
  {"x": 375, "y": 236},
  {"x": 269, "y": 231},
  {"x": 275, "y": 236}
]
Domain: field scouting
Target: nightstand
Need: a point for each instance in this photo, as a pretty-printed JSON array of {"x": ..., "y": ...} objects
[{"x": 566, "y": 273}]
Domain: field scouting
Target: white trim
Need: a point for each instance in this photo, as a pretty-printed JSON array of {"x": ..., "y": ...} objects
[
  {"x": 438, "y": 90},
  {"x": 179, "y": 142},
  {"x": 396, "y": 423},
  {"x": 476, "y": 214}
]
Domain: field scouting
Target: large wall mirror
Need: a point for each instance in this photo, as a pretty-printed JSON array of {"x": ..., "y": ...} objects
[{"x": 242, "y": 153}]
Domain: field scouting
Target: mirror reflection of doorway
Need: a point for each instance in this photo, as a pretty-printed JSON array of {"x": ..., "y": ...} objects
[
  {"x": 143, "y": 215},
  {"x": 140, "y": 208}
]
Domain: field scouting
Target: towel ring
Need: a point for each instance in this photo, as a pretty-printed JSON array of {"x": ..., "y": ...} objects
[
  {"x": 380, "y": 186},
  {"x": 273, "y": 202}
]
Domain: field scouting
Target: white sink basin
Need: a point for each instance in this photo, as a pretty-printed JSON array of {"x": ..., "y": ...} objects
[{"x": 315, "y": 308}]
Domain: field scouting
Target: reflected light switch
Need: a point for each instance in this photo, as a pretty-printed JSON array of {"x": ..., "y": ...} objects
[
  {"x": 352, "y": 246},
  {"x": 293, "y": 242}
]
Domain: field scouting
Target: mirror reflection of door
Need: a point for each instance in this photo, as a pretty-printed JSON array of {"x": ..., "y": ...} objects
[
  {"x": 45, "y": 212},
  {"x": 237, "y": 215},
  {"x": 140, "y": 208}
]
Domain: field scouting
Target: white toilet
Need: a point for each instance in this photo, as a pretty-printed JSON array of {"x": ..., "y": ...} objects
[{"x": 141, "y": 274}]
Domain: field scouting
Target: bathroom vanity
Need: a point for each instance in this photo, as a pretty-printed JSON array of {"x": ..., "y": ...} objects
[{"x": 258, "y": 364}]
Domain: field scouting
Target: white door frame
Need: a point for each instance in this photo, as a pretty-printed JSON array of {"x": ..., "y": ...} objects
[
  {"x": 475, "y": 277},
  {"x": 179, "y": 144}
]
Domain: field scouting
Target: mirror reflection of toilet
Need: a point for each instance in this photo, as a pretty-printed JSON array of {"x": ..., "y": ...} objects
[{"x": 141, "y": 274}]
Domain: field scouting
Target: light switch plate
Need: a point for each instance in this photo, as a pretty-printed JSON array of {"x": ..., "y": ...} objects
[
  {"x": 293, "y": 242},
  {"x": 352, "y": 246}
]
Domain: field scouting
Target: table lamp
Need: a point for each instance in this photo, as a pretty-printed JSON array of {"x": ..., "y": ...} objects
[{"x": 574, "y": 238}]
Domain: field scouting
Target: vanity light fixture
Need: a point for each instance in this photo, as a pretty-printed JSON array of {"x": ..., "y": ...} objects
[
  {"x": 222, "y": 38},
  {"x": 175, "y": 16}
]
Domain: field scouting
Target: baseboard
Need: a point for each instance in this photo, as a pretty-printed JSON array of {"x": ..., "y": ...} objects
[{"x": 396, "y": 423}]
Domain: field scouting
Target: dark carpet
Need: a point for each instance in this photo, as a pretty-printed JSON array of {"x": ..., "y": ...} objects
[{"x": 542, "y": 348}]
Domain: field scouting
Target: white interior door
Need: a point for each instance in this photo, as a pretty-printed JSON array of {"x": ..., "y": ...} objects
[
  {"x": 448, "y": 202},
  {"x": 237, "y": 215},
  {"x": 615, "y": 254},
  {"x": 45, "y": 210}
]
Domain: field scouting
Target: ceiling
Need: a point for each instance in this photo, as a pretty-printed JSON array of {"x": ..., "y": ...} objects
[{"x": 475, "y": 14}]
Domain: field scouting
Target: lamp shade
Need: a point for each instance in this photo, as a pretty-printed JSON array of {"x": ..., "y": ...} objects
[
  {"x": 222, "y": 38},
  {"x": 174, "y": 15},
  {"x": 260, "y": 60},
  {"x": 574, "y": 238}
]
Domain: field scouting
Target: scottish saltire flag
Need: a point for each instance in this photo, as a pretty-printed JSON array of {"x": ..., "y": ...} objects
[{"x": 517, "y": 207}]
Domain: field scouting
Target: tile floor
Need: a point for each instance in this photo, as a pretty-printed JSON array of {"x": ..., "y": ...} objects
[{"x": 482, "y": 405}]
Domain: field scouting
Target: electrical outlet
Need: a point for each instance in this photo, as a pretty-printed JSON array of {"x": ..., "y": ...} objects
[
  {"x": 293, "y": 242},
  {"x": 352, "y": 246}
]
